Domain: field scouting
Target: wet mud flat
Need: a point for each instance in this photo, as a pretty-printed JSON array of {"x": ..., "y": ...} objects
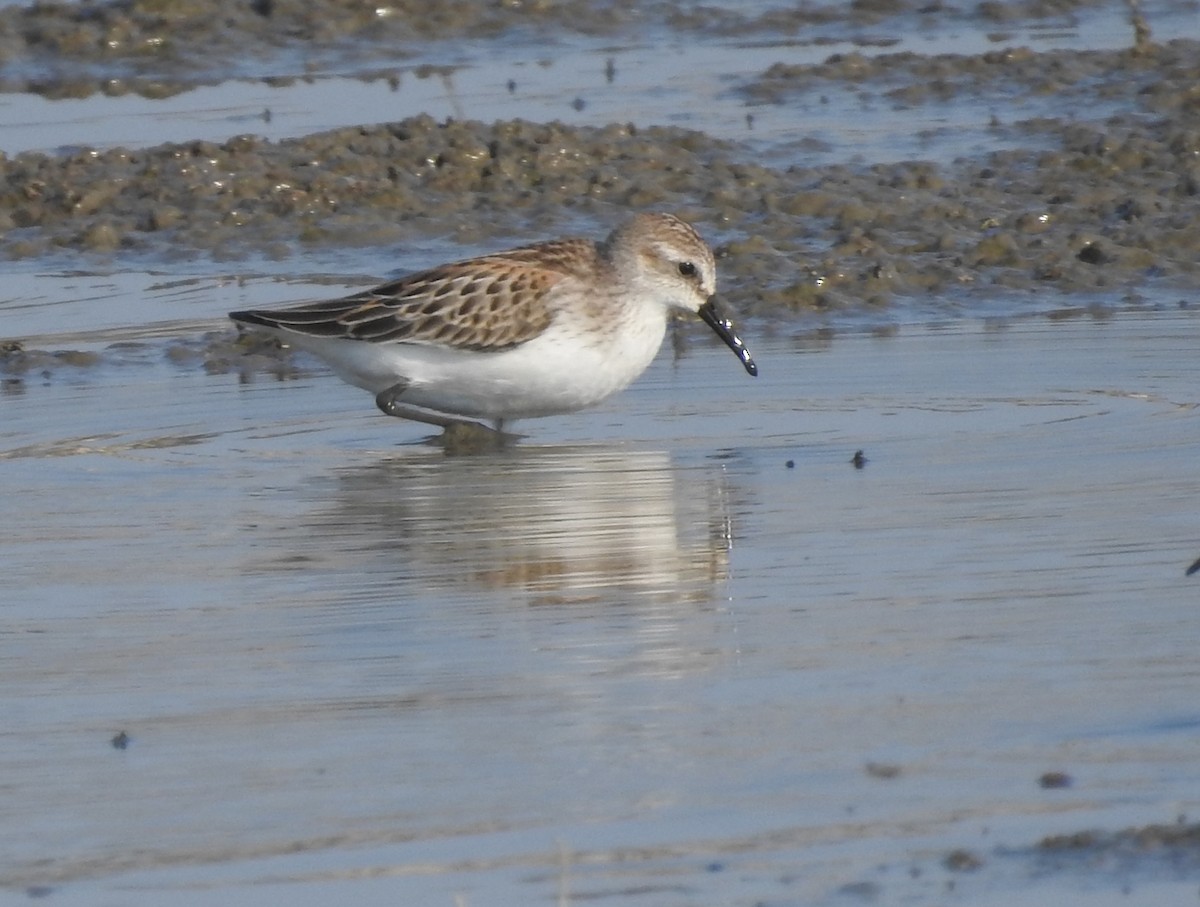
[
  {"x": 63, "y": 48},
  {"x": 687, "y": 648},
  {"x": 1100, "y": 199}
]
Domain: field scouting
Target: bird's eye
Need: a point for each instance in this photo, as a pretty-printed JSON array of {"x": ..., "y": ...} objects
[{"x": 687, "y": 269}]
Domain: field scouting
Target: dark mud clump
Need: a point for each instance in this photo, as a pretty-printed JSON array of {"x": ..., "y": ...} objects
[
  {"x": 1007, "y": 74},
  {"x": 18, "y": 364},
  {"x": 247, "y": 354},
  {"x": 1175, "y": 847},
  {"x": 360, "y": 186}
]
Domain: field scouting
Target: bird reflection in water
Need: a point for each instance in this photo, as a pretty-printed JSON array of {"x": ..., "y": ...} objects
[{"x": 557, "y": 524}]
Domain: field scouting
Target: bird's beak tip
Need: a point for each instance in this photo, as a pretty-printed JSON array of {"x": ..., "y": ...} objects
[{"x": 723, "y": 327}]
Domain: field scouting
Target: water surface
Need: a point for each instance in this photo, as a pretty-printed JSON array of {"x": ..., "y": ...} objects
[{"x": 639, "y": 658}]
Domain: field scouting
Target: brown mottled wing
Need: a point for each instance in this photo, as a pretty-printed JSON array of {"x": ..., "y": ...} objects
[{"x": 491, "y": 303}]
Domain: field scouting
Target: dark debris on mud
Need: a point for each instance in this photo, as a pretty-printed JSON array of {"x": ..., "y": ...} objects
[
  {"x": 1174, "y": 846},
  {"x": 1088, "y": 860},
  {"x": 1182, "y": 835}
]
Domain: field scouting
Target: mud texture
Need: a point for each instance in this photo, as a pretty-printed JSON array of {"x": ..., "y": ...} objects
[
  {"x": 1098, "y": 206},
  {"x": 160, "y": 47}
]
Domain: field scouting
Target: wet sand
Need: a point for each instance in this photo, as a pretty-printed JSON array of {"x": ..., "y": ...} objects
[{"x": 685, "y": 648}]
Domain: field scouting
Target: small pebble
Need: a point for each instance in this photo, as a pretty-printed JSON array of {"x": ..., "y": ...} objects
[
  {"x": 962, "y": 861},
  {"x": 1054, "y": 781},
  {"x": 884, "y": 770}
]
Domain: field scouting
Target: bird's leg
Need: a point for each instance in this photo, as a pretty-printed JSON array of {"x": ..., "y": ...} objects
[{"x": 389, "y": 405}]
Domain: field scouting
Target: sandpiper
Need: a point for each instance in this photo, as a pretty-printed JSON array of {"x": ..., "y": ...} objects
[{"x": 535, "y": 331}]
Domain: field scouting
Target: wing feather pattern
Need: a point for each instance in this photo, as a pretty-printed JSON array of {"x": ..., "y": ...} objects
[{"x": 492, "y": 303}]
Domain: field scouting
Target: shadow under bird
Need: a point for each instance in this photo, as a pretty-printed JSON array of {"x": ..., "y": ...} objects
[{"x": 539, "y": 330}]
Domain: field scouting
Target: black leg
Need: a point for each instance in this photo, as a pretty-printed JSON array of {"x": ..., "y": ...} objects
[
  {"x": 456, "y": 430},
  {"x": 389, "y": 405}
]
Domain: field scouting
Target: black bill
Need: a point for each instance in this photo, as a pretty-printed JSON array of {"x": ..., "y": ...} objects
[{"x": 724, "y": 328}]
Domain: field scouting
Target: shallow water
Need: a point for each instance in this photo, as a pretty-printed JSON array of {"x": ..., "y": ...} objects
[{"x": 637, "y": 659}]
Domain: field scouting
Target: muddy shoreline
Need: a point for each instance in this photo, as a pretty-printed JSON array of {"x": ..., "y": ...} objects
[
  {"x": 1095, "y": 209},
  {"x": 1107, "y": 207},
  {"x": 160, "y": 48},
  {"x": 1094, "y": 204}
]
